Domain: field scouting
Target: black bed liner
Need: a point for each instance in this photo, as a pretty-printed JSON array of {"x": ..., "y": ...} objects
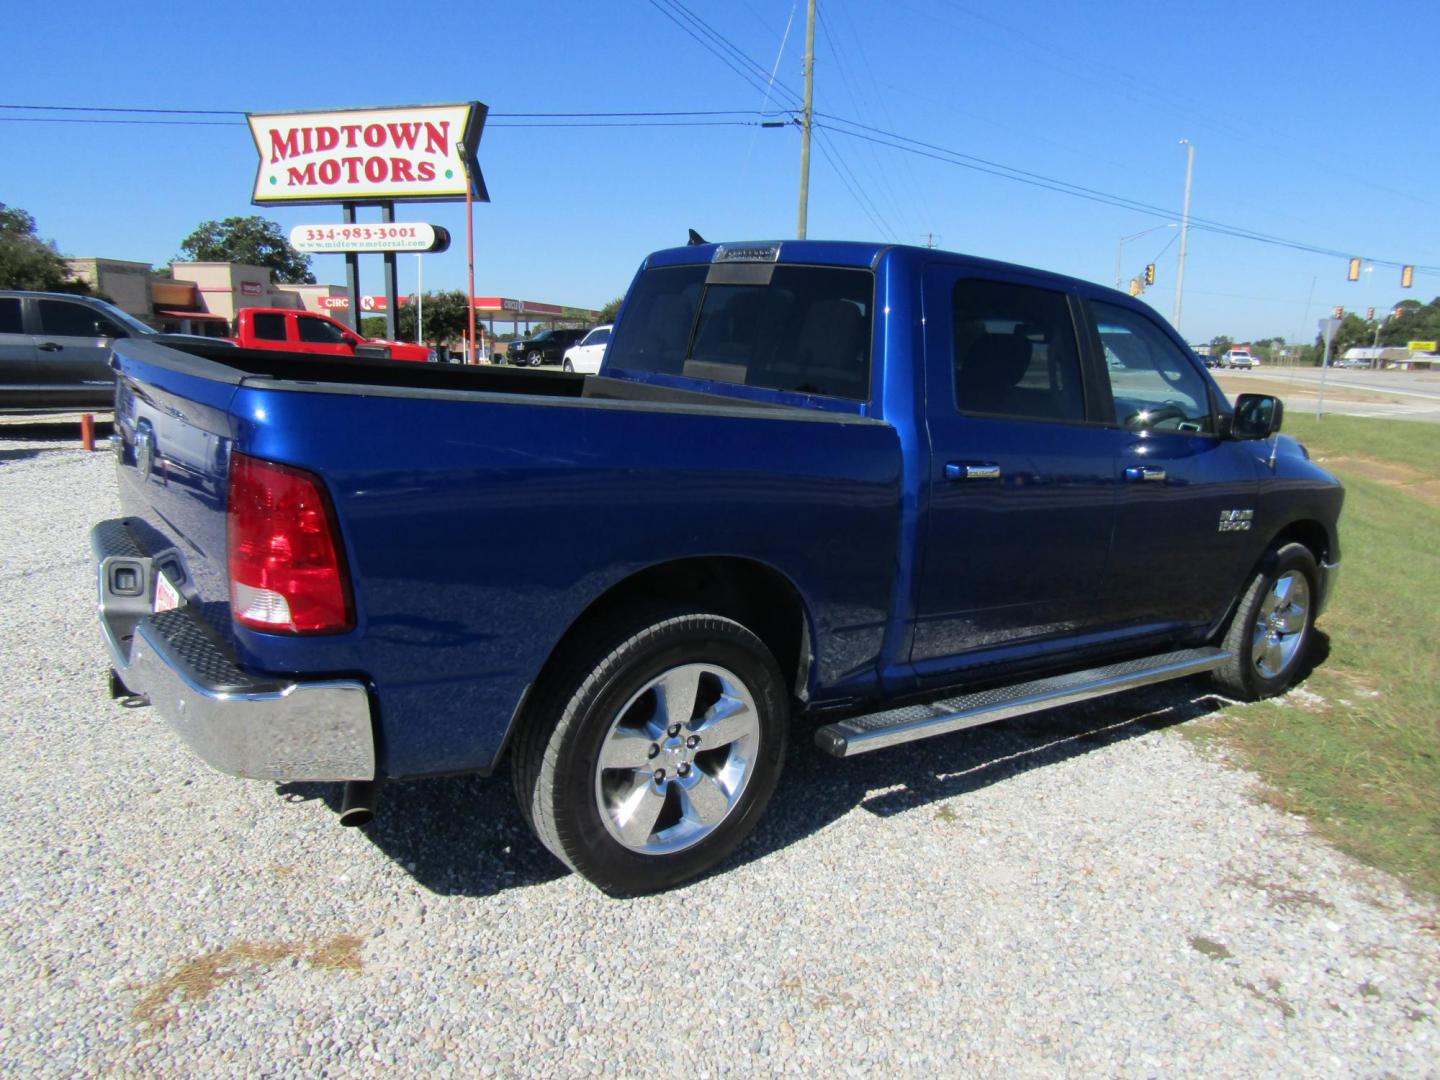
[{"x": 360, "y": 371}]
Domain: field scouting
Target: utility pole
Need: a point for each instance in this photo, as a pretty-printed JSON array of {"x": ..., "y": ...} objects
[
  {"x": 807, "y": 117},
  {"x": 1184, "y": 230},
  {"x": 930, "y": 239}
]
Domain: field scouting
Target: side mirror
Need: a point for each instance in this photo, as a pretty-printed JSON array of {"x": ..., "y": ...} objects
[{"x": 1257, "y": 416}]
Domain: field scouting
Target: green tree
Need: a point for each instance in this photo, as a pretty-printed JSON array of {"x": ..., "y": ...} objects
[
  {"x": 610, "y": 310},
  {"x": 1353, "y": 331},
  {"x": 1220, "y": 345},
  {"x": 1416, "y": 322},
  {"x": 447, "y": 318},
  {"x": 26, "y": 261},
  {"x": 253, "y": 240},
  {"x": 373, "y": 326}
]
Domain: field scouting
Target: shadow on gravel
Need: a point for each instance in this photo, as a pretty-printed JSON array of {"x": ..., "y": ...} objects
[
  {"x": 46, "y": 431},
  {"x": 460, "y": 835},
  {"x": 465, "y": 836}
]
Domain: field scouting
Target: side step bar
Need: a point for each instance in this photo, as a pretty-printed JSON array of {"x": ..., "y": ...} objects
[{"x": 860, "y": 734}]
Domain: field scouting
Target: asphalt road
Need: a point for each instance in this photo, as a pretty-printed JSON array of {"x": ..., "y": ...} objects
[{"x": 1391, "y": 395}]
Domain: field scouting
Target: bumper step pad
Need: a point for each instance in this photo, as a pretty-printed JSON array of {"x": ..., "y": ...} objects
[{"x": 860, "y": 734}]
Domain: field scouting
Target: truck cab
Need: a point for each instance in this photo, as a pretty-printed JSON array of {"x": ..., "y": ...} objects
[{"x": 293, "y": 331}]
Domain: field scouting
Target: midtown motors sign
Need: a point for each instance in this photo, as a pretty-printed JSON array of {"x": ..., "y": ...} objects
[{"x": 369, "y": 155}]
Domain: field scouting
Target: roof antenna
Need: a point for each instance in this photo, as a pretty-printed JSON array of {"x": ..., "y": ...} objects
[{"x": 696, "y": 238}]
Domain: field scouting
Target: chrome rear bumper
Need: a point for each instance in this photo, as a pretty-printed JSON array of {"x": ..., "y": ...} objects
[{"x": 242, "y": 724}]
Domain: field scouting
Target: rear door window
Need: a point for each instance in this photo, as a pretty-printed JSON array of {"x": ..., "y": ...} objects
[
  {"x": 806, "y": 331},
  {"x": 1015, "y": 352},
  {"x": 268, "y": 326},
  {"x": 10, "y": 321}
]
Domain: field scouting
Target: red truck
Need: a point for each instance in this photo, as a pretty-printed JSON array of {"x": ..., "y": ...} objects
[{"x": 306, "y": 332}]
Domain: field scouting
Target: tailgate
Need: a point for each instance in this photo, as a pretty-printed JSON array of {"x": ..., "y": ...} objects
[{"x": 173, "y": 436}]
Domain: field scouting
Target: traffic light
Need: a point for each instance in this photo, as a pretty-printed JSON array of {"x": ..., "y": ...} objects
[
  {"x": 1135, "y": 286},
  {"x": 1407, "y": 276},
  {"x": 1149, "y": 273},
  {"x": 1338, "y": 313},
  {"x": 1354, "y": 274}
]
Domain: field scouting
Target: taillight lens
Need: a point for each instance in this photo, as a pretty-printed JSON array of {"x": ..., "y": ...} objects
[{"x": 286, "y": 570}]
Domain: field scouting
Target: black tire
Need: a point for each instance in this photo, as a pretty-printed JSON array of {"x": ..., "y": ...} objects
[
  {"x": 534, "y": 359},
  {"x": 568, "y": 366},
  {"x": 1253, "y": 670},
  {"x": 591, "y": 697}
]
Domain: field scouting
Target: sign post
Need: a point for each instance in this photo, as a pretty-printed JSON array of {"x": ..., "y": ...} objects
[
  {"x": 1328, "y": 328},
  {"x": 352, "y": 272},
  {"x": 370, "y": 157}
]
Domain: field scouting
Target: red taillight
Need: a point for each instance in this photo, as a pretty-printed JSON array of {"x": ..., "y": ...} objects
[{"x": 286, "y": 570}]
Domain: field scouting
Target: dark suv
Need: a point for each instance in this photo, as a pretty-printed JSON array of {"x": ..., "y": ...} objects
[
  {"x": 546, "y": 347},
  {"x": 55, "y": 350}
]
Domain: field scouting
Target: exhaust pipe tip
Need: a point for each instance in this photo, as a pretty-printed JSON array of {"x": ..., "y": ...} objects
[{"x": 358, "y": 806}]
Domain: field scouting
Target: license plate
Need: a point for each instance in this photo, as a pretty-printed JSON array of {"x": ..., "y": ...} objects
[{"x": 167, "y": 597}]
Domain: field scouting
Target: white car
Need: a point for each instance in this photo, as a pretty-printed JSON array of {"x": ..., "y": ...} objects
[
  {"x": 585, "y": 355},
  {"x": 1240, "y": 358}
]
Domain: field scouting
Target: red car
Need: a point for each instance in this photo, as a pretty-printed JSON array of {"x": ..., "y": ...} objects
[{"x": 304, "y": 331}]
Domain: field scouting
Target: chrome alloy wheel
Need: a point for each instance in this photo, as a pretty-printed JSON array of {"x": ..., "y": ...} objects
[
  {"x": 1280, "y": 624},
  {"x": 677, "y": 759}
]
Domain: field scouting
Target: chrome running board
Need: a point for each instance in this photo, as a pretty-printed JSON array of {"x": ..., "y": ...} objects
[{"x": 860, "y": 734}]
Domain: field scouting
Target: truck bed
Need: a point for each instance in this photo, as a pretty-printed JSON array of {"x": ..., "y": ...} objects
[
  {"x": 293, "y": 370},
  {"x": 462, "y": 496}
]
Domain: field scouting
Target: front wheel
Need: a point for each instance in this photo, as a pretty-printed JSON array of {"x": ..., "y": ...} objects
[
  {"x": 569, "y": 366},
  {"x": 656, "y": 752},
  {"x": 533, "y": 359},
  {"x": 1270, "y": 632}
]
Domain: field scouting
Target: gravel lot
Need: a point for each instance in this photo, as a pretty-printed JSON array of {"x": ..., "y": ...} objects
[{"x": 1081, "y": 892}]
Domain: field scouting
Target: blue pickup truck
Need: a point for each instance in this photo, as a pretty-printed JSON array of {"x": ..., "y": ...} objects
[{"x": 881, "y": 492}]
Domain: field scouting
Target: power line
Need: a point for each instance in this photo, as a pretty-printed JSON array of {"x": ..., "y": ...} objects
[
  {"x": 871, "y": 157},
  {"x": 738, "y": 61},
  {"x": 599, "y": 120},
  {"x": 713, "y": 118},
  {"x": 1008, "y": 172},
  {"x": 509, "y": 115}
]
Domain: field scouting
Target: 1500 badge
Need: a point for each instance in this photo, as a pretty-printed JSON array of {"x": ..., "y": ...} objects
[{"x": 1236, "y": 520}]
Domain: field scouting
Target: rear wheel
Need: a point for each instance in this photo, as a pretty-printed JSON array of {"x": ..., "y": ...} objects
[
  {"x": 1271, "y": 630},
  {"x": 656, "y": 752}
]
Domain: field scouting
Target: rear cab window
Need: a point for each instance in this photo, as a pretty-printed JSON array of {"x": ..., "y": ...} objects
[{"x": 806, "y": 332}]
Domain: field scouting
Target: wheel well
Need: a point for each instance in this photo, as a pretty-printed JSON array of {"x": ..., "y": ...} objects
[
  {"x": 1310, "y": 533},
  {"x": 754, "y": 595}
]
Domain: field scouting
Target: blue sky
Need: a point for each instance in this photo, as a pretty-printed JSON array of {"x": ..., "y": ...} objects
[{"x": 1312, "y": 122}]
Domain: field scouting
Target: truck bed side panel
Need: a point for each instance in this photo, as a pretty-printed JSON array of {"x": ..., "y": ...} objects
[{"x": 477, "y": 532}]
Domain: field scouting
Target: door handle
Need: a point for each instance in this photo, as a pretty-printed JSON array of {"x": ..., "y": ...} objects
[
  {"x": 1144, "y": 472},
  {"x": 49, "y": 346},
  {"x": 954, "y": 470}
]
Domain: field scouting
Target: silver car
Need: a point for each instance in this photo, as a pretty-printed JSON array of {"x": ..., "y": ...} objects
[{"x": 55, "y": 350}]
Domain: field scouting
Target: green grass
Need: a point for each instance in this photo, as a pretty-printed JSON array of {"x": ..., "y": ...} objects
[{"x": 1364, "y": 763}]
